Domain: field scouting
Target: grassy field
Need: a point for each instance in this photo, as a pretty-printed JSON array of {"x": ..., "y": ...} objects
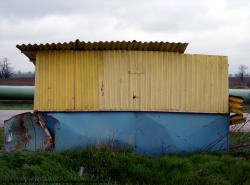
[
  {"x": 247, "y": 108},
  {"x": 125, "y": 167},
  {"x": 1, "y": 136},
  {"x": 16, "y": 106},
  {"x": 122, "y": 167},
  {"x": 237, "y": 138}
]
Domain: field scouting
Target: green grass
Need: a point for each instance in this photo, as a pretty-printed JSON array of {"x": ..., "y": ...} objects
[
  {"x": 125, "y": 167},
  {"x": 1, "y": 136},
  {"x": 237, "y": 138},
  {"x": 16, "y": 106},
  {"x": 247, "y": 108}
]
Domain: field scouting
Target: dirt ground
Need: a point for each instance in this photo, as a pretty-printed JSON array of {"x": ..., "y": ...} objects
[
  {"x": 18, "y": 81},
  {"x": 6, "y": 114}
]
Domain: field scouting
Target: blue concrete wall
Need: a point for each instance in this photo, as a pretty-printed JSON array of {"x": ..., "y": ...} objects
[{"x": 152, "y": 133}]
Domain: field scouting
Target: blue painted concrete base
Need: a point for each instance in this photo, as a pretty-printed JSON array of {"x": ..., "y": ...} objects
[{"x": 152, "y": 133}]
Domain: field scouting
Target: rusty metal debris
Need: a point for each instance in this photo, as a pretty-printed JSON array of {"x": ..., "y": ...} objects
[
  {"x": 26, "y": 131},
  {"x": 236, "y": 104},
  {"x": 24, "y": 136},
  {"x": 49, "y": 141}
]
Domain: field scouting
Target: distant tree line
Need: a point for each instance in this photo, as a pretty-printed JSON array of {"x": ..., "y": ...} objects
[
  {"x": 242, "y": 73},
  {"x": 20, "y": 74},
  {"x": 6, "y": 71}
]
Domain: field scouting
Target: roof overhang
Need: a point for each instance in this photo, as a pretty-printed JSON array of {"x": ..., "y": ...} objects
[{"x": 30, "y": 50}]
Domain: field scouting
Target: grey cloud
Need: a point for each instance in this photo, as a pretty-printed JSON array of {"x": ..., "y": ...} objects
[
  {"x": 31, "y": 8},
  {"x": 210, "y": 26}
]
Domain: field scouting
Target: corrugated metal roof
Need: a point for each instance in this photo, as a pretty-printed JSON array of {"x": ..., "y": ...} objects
[{"x": 30, "y": 49}]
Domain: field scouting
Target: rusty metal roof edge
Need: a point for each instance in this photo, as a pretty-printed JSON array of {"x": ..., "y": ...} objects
[
  {"x": 30, "y": 49},
  {"x": 100, "y": 45}
]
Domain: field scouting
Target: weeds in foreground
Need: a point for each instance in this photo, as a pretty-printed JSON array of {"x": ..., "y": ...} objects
[
  {"x": 107, "y": 165},
  {"x": 124, "y": 167}
]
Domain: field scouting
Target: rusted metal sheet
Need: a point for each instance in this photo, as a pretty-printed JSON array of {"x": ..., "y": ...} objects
[
  {"x": 130, "y": 81},
  {"x": 49, "y": 144},
  {"x": 24, "y": 131},
  {"x": 237, "y": 119},
  {"x": 236, "y": 104},
  {"x": 31, "y": 50}
]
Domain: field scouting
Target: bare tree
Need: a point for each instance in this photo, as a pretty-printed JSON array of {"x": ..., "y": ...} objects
[
  {"x": 5, "y": 69},
  {"x": 242, "y": 71}
]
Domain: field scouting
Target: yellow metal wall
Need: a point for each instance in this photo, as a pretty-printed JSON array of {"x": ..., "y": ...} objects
[
  {"x": 54, "y": 81},
  {"x": 130, "y": 81}
]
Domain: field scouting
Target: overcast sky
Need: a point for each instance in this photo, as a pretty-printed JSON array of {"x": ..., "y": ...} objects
[{"x": 220, "y": 27}]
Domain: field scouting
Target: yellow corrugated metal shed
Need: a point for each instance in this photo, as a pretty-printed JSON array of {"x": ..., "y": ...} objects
[
  {"x": 30, "y": 50},
  {"x": 127, "y": 76}
]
